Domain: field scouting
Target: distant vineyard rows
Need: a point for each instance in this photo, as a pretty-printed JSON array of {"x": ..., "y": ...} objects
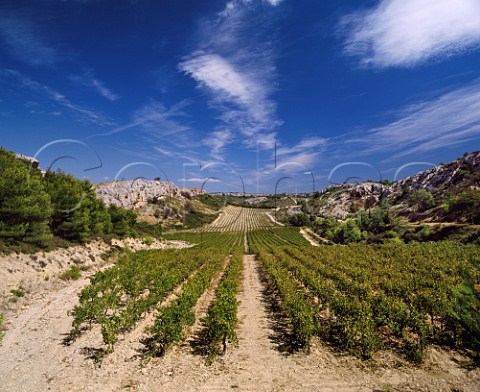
[{"x": 240, "y": 219}]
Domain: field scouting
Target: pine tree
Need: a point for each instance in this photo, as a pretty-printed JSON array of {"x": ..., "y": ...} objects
[
  {"x": 25, "y": 206},
  {"x": 122, "y": 220},
  {"x": 71, "y": 217}
]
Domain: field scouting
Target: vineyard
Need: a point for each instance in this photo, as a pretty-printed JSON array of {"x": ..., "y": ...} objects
[
  {"x": 118, "y": 297},
  {"x": 255, "y": 305},
  {"x": 169, "y": 283},
  {"x": 365, "y": 298},
  {"x": 358, "y": 298},
  {"x": 240, "y": 219},
  {"x": 245, "y": 303}
]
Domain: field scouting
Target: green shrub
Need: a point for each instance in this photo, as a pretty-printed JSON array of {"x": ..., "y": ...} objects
[
  {"x": 300, "y": 219},
  {"x": 421, "y": 200},
  {"x": 467, "y": 206},
  {"x": 214, "y": 203},
  {"x": 349, "y": 232},
  {"x": 20, "y": 292},
  {"x": 73, "y": 273},
  {"x": 197, "y": 219},
  {"x": 395, "y": 240},
  {"x": 424, "y": 233},
  {"x": 122, "y": 220},
  {"x": 148, "y": 230},
  {"x": 25, "y": 206}
]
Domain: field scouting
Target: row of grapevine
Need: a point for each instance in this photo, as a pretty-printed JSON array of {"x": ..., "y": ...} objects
[
  {"x": 240, "y": 219},
  {"x": 117, "y": 297},
  {"x": 274, "y": 237},
  {"x": 173, "y": 320},
  {"x": 341, "y": 314},
  {"x": 300, "y": 308},
  {"x": 438, "y": 283},
  {"x": 221, "y": 320}
]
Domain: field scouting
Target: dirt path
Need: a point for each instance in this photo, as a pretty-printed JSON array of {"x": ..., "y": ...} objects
[
  {"x": 32, "y": 350},
  {"x": 308, "y": 238},
  {"x": 39, "y": 274},
  {"x": 258, "y": 365},
  {"x": 273, "y": 219}
]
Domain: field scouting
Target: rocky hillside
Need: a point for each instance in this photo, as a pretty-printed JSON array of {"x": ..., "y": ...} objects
[
  {"x": 343, "y": 200},
  {"x": 451, "y": 178},
  {"x": 163, "y": 203},
  {"x": 137, "y": 193},
  {"x": 454, "y": 177}
]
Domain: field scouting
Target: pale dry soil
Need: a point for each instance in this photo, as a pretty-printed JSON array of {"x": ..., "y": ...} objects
[
  {"x": 308, "y": 237},
  {"x": 33, "y": 271},
  {"x": 34, "y": 358},
  {"x": 272, "y": 218}
]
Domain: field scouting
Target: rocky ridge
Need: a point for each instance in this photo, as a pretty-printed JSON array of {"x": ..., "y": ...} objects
[
  {"x": 136, "y": 194},
  {"x": 457, "y": 175},
  {"x": 340, "y": 201}
]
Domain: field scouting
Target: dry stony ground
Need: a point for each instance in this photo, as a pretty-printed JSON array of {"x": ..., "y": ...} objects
[{"x": 34, "y": 358}]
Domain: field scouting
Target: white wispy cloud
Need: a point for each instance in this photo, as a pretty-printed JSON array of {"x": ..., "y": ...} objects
[
  {"x": 160, "y": 120},
  {"x": 88, "y": 80},
  {"x": 306, "y": 144},
  {"x": 301, "y": 156},
  {"x": 263, "y": 141},
  {"x": 274, "y": 2},
  {"x": 88, "y": 114},
  {"x": 52, "y": 96},
  {"x": 157, "y": 119},
  {"x": 220, "y": 76},
  {"x": 238, "y": 93},
  {"x": 145, "y": 151},
  {"x": 160, "y": 131},
  {"x": 451, "y": 118},
  {"x": 179, "y": 153},
  {"x": 104, "y": 91},
  {"x": 217, "y": 141},
  {"x": 234, "y": 64},
  {"x": 164, "y": 151},
  {"x": 26, "y": 43},
  {"x": 199, "y": 180},
  {"x": 299, "y": 161},
  {"x": 410, "y": 32}
]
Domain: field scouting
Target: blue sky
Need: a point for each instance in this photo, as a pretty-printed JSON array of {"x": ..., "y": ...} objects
[{"x": 195, "y": 90}]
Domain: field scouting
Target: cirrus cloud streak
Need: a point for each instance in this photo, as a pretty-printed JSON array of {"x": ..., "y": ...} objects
[{"x": 404, "y": 33}]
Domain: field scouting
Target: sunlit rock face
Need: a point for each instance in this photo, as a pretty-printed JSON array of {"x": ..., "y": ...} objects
[{"x": 137, "y": 193}]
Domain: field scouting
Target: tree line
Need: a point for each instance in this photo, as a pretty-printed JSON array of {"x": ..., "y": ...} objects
[{"x": 37, "y": 207}]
